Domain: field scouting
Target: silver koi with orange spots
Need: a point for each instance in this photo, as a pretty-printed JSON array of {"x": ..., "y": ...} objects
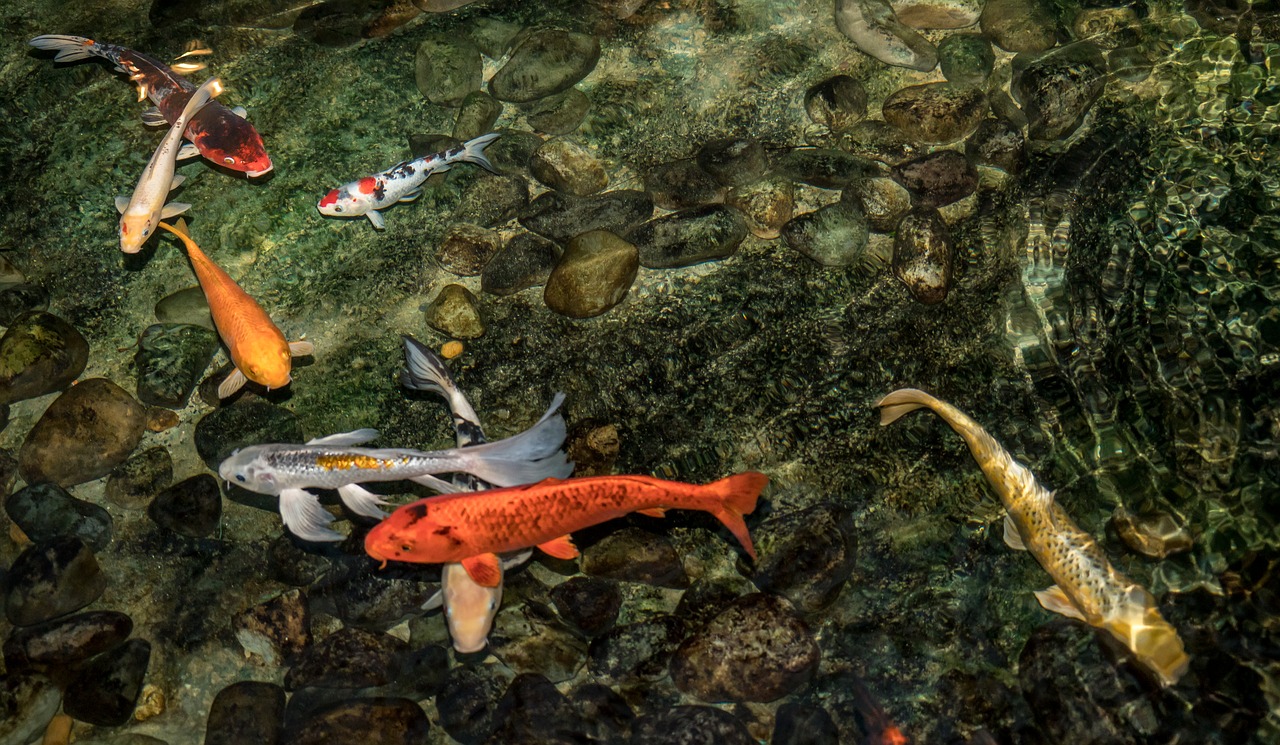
[
  {"x": 336, "y": 462},
  {"x": 401, "y": 182}
]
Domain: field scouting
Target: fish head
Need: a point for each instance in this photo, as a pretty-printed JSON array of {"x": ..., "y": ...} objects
[
  {"x": 135, "y": 229},
  {"x": 269, "y": 365},
  {"x": 343, "y": 201},
  {"x": 409, "y": 534},
  {"x": 469, "y": 608},
  {"x": 249, "y": 469},
  {"x": 230, "y": 141}
]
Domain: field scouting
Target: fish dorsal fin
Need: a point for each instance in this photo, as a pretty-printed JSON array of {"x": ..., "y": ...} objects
[
  {"x": 560, "y": 548},
  {"x": 240, "y": 112},
  {"x": 1054, "y": 600},
  {"x": 122, "y": 204},
  {"x": 345, "y": 439},
  {"x": 1012, "y": 538},
  {"x": 484, "y": 569}
]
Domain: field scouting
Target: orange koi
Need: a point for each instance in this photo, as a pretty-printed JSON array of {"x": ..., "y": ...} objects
[
  {"x": 472, "y": 529},
  {"x": 258, "y": 349}
]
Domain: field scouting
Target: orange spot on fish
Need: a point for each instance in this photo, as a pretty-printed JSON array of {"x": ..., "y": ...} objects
[{"x": 347, "y": 462}]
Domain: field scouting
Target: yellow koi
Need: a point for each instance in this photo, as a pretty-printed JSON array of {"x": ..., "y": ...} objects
[{"x": 1088, "y": 588}]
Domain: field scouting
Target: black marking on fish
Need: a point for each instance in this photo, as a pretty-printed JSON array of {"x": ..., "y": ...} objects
[{"x": 415, "y": 512}]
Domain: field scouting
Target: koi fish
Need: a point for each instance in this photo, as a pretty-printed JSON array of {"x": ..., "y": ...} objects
[
  {"x": 140, "y": 213},
  {"x": 469, "y": 608},
  {"x": 1088, "y": 588},
  {"x": 258, "y": 350},
  {"x": 222, "y": 135},
  {"x": 333, "y": 462},
  {"x": 401, "y": 182},
  {"x": 472, "y": 529}
]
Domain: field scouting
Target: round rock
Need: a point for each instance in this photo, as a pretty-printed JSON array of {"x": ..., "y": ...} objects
[
  {"x": 85, "y": 432},
  {"x": 277, "y": 630},
  {"x": 544, "y": 63},
  {"x": 1155, "y": 534},
  {"x": 529, "y": 638},
  {"x": 936, "y": 113},
  {"x": 245, "y": 712},
  {"x": 636, "y": 650},
  {"x": 925, "y": 14},
  {"x": 492, "y": 201},
  {"x": 734, "y": 161},
  {"x": 878, "y": 140},
  {"x": 567, "y": 166},
  {"x": 594, "y": 274},
  {"x": 997, "y": 144},
  {"x": 1019, "y": 25},
  {"x": 824, "y": 168},
  {"x": 51, "y": 579},
  {"x": 767, "y": 205},
  {"x": 106, "y": 690},
  {"x": 526, "y": 261},
  {"x": 560, "y": 114},
  {"x": 18, "y": 299},
  {"x": 589, "y": 605},
  {"x": 682, "y": 184},
  {"x": 455, "y": 311},
  {"x": 559, "y": 216},
  {"x": 67, "y": 640},
  {"x": 691, "y": 725},
  {"x": 466, "y": 249},
  {"x": 804, "y": 724},
  {"x": 39, "y": 353},
  {"x": 230, "y": 428},
  {"x": 758, "y": 649},
  {"x": 923, "y": 256},
  {"x": 447, "y": 68},
  {"x": 47, "y": 511},
  {"x": 806, "y": 556},
  {"x": 835, "y": 235},
  {"x": 393, "y": 721},
  {"x": 186, "y": 306},
  {"x": 476, "y": 115},
  {"x": 347, "y": 658},
  {"x": 836, "y": 103},
  {"x": 634, "y": 555},
  {"x": 170, "y": 360},
  {"x": 192, "y": 507},
  {"x": 1056, "y": 89},
  {"x": 938, "y": 179},
  {"x": 28, "y": 703},
  {"x": 883, "y": 200},
  {"x": 689, "y": 237},
  {"x": 469, "y": 700},
  {"x": 135, "y": 482},
  {"x": 966, "y": 59}
]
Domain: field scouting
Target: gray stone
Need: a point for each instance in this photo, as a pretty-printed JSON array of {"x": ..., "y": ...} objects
[
  {"x": 766, "y": 205},
  {"x": 336, "y": 23},
  {"x": 276, "y": 631},
  {"x": 47, "y": 511},
  {"x": 824, "y": 168},
  {"x": 526, "y": 261},
  {"x": 560, "y": 217},
  {"x": 533, "y": 710},
  {"x": 512, "y": 151},
  {"x": 836, "y": 103},
  {"x": 477, "y": 114},
  {"x": 39, "y": 353},
  {"x": 588, "y": 605},
  {"x": 966, "y": 59},
  {"x": 529, "y": 638},
  {"x": 639, "y": 650},
  {"x": 492, "y": 36},
  {"x": 465, "y": 249},
  {"x": 926, "y": 14},
  {"x": 370, "y": 601},
  {"x": 51, "y": 579},
  {"x": 105, "y": 692},
  {"x": 186, "y": 306},
  {"x": 192, "y": 507},
  {"x": 937, "y": 179},
  {"x": 393, "y": 721},
  {"x": 682, "y": 184},
  {"x": 18, "y": 299},
  {"x": 878, "y": 140},
  {"x": 936, "y": 113},
  {"x": 135, "y": 482},
  {"x": 246, "y": 712},
  {"x": 634, "y": 555},
  {"x": 593, "y": 275},
  {"x": 560, "y": 114},
  {"x": 245, "y": 423},
  {"x": 421, "y": 145},
  {"x": 1019, "y": 25},
  {"x": 170, "y": 360},
  {"x": 835, "y": 235},
  {"x": 447, "y": 68},
  {"x": 28, "y": 703},
  {"x": 568, "y": 167},
  {"x": 1056, "y": 89},
  {"x": 455, "y": 311},
  {"x": 492, "y": 200},
  {"x": 735, "y": 161},
  {"x": 882, "y": 200},
  {"x": 689, "y": 237},
  {"x": 468, "y": 701},
  {"x": 923, "y": 256},
  {"x": 85, "y": 432},
  {"x": 544, "y": 63},
  {"x": 758, "y": 649}
]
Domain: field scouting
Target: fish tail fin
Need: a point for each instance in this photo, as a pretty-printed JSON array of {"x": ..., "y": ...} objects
[
  {"x": 1154, "y": 641},
  {"x": 736, "y": 496},
  {"x": 531, "y": 456},
  {"x": 903, "y": 401},
  {"x": 69, "y": 48},
  {"x": 473, "y": 151}
]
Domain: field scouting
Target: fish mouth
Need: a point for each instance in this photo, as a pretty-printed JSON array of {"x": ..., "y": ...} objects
[{"x": 263, "y": 172}]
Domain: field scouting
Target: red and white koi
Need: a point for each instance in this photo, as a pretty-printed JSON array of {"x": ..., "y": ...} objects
[{"x": 401, "y": 182}]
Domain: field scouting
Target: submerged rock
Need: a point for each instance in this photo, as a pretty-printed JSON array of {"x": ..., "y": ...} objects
[
  {"x": 883, "y": 201},
  {"x": 468, "y": 701},
  {"x": 966, "y": 59},
  {"x": 560, "y": 114},
  {"x": 106, "y": 690},
  {"x": 1155, "y": 534},
  {"x": 192, "y": 507},
  {"x": 337, "y": 23},
  {"x": 560, "y": 217},
  {"x": 605, "y": 710},
  {"x": 67, "y": 640},
  {"x": 393, "y": 721},
  {"x": 804, "y": 724},
  {"x": 826, "y": 169},
  {"x": 589, "y": 605},
  {"x": 28, "y": 703},
  {"x": 568, "y": 167},
  {"x": 923, "y": 256},
  {"x": 51, "y": 579},
  {"x": 1056, "y": 89},
  {"x": 691, "y": 724},
  {"x": 806, "y": 556},
  {"x": 734, "y": 161},
  {"x": 477, "y": 114},
  {"x": 491, "y": 201},
  {"x": 39, "y": 353},
  {"x": 766, "y": 205},
  {"x": 455, "y": 311},
  {"x": 47, "y": 511},
  {"x": 277, "y": 630},
  {"x": 447, "y": 68},
  {"x": 532, "y": 710},
  {"x": 85, "y": 432},
  {"x": 635, "y": 650},
  {"x": 997, "y": 144},
  {"x": 347, "y": 658},
  {"x": 18, "y": 299},
  {"x": 708, "y": 598},
  {"x": 936, "y": 113},
  {"x": 878, "y": 140},
  {"x": 1019, "y": 25},
  {"x": 529, "y": 638},
  {"x": 544, "y": 63},
  {"x": 937, "y": 13},
  {"x": 836, "y": 103},
  {"x": 873, "y": 27},
  {"x": 835, "y": 235},
  {"x": 229, "y": 428},
  {"x": 170, "y": 360},
  {"x": 635, "y": 555},
  {"x": 758, "y": 649},
  {"x": 526, "y": 261},
  {"x": 135, "y": 482},
  {"x": 466, "y": 249},
  {"x": 938, "y": 179},
  {"x": 246, "y": 712},
  {"x": 689, "y": 237},
  {"x": 593, "y": 275},
  {"x": 682, "y": 184}
]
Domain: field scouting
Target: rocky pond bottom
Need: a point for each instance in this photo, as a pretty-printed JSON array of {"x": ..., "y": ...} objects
[{"x": 724, "y": 230}]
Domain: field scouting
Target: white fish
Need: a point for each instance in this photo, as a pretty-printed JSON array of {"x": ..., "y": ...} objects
[{"x": 1088, "y": 588}]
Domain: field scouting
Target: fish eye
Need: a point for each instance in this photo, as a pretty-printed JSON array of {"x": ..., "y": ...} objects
[
  {"x": 240, "y": 477},
  {"x": 406, "y": 547},
  {"x": 493, "y": 605},
  {"x": 229, "y": 160},
  {"x": 146, "y": 232},
  {"x": 337, "y": 209}
]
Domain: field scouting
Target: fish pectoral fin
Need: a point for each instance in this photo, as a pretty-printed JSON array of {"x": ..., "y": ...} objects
[
  {"x": 362, "y": 501},
  {"x": 435, "y": 601},
  {"x": 188, "y": 151},
  {"x": 375, "y": 217},
  {"x": 301, "y": 348},
  {"x": 153, "y": 118},
  {"x": 411, "y": 195},
  {"x": 346, "y": 439},
  {"x": 176, "y": 181},
  {"x": 305, "y": 518},
  {"x": 173, "y": 209},
  {"x": 437, "y": 483},
  {"x": 654, "y": 512},
  {"x": 561, "y": 548},
  {"x": 484, "y": 569},
  {"x": 234, "y": 382},
  {"x": 122, "y": 204},
  {"x": 1054, "y": 600},
  {"x": 1012, "y": 538}
]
